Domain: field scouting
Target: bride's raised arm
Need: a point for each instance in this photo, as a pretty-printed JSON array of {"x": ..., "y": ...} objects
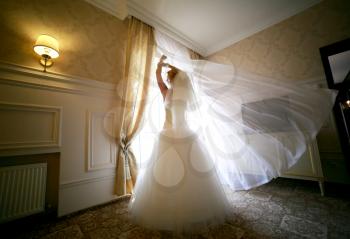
[{"x": 162, "y": 86}]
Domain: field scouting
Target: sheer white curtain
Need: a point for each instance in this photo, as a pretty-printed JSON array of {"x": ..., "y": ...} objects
[{"x": 253, "y": 127}]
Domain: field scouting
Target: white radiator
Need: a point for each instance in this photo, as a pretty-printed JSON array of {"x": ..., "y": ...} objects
[{"x": 22, "y": 190}]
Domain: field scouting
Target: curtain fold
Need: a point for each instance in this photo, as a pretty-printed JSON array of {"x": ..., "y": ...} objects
[{"x": 136, "y": 81}]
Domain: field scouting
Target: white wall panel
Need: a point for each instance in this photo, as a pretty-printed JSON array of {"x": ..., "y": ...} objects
[
  {"x": 101, "y": 145},
  {"x": 29, "y": 126},
  {"x": 49, "y": 97}
]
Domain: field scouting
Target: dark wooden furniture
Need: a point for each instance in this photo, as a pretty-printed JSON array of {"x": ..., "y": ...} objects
[{"x": 341, "y": 108}]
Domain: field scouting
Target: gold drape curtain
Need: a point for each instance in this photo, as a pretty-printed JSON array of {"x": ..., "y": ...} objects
[{"x": 139, "y": 53}]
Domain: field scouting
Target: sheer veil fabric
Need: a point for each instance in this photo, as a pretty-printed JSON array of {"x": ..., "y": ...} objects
[
  {"x": 254, "y": 127},
  {"x": 227, "y": 130}
]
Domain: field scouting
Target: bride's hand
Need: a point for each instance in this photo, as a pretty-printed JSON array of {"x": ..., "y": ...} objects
[
  {"x": 162, "y": 58},
  {"x": 161, "y": 61}
]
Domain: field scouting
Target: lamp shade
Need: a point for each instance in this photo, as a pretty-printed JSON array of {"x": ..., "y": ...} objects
[{"x": 46, "y": 45}]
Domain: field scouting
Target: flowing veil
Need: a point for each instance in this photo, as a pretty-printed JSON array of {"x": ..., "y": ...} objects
[{"x": 254, "y": 128}]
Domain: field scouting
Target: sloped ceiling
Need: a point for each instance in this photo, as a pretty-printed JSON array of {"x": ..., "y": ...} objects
[{"x": 207, "y": 26}]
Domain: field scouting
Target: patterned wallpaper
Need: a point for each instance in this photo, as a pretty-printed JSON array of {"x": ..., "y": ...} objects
[
  {"x": 91, "y": 42},
  {"x": 289, "y": 50}
]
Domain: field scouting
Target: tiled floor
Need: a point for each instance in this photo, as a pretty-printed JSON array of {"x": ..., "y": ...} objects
[{"x": 283, "y": 208}]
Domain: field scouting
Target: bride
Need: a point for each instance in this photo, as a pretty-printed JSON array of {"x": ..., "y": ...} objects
[
  {"x": 180, "y": 189},
  {"x": 249, "y": 130}
]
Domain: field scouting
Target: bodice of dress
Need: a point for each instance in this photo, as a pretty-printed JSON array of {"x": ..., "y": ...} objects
[{"x": 175, "y": 112}]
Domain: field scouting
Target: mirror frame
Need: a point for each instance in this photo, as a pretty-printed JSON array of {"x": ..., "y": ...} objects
[{"x": 330, "y": 50}]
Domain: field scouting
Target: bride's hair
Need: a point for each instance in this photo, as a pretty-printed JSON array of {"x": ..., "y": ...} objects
[
  {"x": 183, "y": 89},
  {"x": 173, "y": 71}
]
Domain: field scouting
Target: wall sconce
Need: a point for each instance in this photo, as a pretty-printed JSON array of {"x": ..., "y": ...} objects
[
  {"x": 47, "y": 47},
  {"x": 345, "y": 99},
  {"x": 347, "y": 103}
]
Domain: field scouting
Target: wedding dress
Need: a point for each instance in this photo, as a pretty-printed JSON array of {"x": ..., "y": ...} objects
[
  {"x": 224, "y": 129},
  {"x": 180, "y": 188}
]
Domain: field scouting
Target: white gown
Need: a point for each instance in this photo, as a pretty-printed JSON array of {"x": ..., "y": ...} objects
[
  {"x": 247, "y": 130},
  {"x": 180, "y": 188}
]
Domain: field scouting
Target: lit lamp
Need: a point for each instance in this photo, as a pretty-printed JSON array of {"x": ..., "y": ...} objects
[
  {"x": 47, "y": 47},
  {"x": 347, "y": 103},
  {"x": 346, "y": 100}
]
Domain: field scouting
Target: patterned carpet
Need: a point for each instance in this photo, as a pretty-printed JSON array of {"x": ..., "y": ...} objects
[{"x": 283, "y": 208}]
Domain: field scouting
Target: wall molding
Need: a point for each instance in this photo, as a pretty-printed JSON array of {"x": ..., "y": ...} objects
[
  {"x": 141, "y": 13},
  {"x": 115, "y": 8},
  {"x": 17, "y": 75},
  {"x": 77, "y": 183},
  {"x": 277, "y": 18},
  {"x": 56, "y": 125},
  {"x": 91, "y": 164}
]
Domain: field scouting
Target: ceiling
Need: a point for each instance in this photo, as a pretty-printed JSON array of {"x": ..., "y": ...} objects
[{"x": 207, "y": 26}]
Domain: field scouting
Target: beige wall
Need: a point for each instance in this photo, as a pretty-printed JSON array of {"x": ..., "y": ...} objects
[
  {"x": 92, "y": 45},
  {"x": 91, "y": 42},
  {"x": 289, "y": 50}
]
